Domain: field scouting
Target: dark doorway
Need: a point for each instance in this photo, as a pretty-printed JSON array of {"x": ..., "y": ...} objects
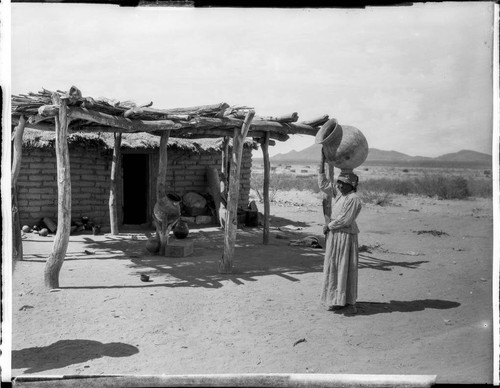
[{"x": 135, "y": 188}]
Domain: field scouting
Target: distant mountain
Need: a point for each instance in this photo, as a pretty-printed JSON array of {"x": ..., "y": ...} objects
[
  {"x": 393, "y": 156},
  {"x": 311, "y": 155},
  {"x": 465, "y": 156}
]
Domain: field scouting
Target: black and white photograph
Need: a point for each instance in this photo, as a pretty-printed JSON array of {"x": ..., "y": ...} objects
[{"x": 249, "y": 196}]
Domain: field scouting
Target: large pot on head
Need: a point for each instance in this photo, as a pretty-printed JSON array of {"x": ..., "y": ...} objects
[{"x": 344, "y": 146}]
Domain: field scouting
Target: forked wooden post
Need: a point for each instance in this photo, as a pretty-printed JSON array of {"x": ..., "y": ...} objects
[
  {"x": 161, "y": 190},
  {"x": 17, "y": 152},
  {"x": 56, "y": 258},
  {"x": 115, "y": 168},
  {"x": 225, "y": 166},
  {"x": 267, "y": 176},
  {"x": 226, "y": 262}
]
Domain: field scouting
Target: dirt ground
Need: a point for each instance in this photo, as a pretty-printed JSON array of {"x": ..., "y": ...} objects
[{"x": 425, "y": 300}]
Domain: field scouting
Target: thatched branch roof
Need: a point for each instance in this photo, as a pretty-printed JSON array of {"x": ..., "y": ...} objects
[
  {"x": 106, "y": 115},
  {"x": 33, "y": 138}
]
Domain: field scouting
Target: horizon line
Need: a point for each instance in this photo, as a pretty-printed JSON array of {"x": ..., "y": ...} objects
[{"x": 413, "y": 156}]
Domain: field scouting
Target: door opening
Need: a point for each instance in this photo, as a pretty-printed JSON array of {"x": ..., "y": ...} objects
[{"x": 135, "y": 188}]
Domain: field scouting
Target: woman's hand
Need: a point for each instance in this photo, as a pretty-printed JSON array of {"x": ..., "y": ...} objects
[{"x": 325, "y": 229}]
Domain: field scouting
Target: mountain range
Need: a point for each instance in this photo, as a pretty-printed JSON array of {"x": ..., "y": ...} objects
[{"x": 311, "y": 155}]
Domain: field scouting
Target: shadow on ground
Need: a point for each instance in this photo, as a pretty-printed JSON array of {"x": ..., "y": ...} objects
[
  {"x": 372, "y": 308},
  {"x": 252, "y": 259},
  {"x": 67, "y": 352},
  {"x": 372, "y": 262}
]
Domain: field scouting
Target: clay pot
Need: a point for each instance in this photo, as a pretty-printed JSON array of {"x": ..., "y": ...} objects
[
  {"x": 181, "y": 230},
  {"x": 44, "y": 232},
  {"x": 26, "y": 229},
  {"x": 168, "y": 207},
  {"x": 344, "y": 146},
  {"x": 153, "y": 244}
]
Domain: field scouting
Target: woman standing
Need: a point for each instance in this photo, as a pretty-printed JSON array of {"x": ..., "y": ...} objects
[{"x": 340, "y": 269}]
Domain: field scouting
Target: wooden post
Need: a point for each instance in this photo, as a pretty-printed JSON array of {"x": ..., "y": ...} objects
[
  {"x": 161, "y": 190},
  {"x": 225, "y": 166},
  {"x": 56, "y": 258},
  {"x": 115, "y": 168},
  {"x": 267, "y": 174},
  {"x": 17, "y": 152},
  {"x": 223, "y": 183},
  {"x": 226, "y": 263}
]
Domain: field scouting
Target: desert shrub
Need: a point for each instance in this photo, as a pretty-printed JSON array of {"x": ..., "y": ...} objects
[
  {"x": 406, "y": 170},
  {"x": 444, "y": 187},
  {"x": 379, "y": 190},
  {"x": 480, "y": 187},
  {"x": 376, "y": 197},
  {"x": 431, "y": 185},
  {"x": 283, "y": 182}
]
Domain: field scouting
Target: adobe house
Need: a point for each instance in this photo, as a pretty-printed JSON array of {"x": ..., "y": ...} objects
[
  {"x": 90, "y": 165},
  {"x": 66, "y": 113}
]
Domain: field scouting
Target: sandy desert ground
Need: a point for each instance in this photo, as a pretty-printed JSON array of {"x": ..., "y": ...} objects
[{"x": 425, "y": 299}]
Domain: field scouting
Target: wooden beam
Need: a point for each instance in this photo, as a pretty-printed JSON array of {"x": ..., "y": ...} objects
[
  {"x": 278, "y": 131},
  {"x": 267, "y": 176},
  {"x": 226, "y": 263},
  {"x": 56, "y": 258},
  {"x": 317, "y": 121},
  {"x": 201, "y": 128},
  {"x": 17, "y": 152},
  {"x": 287, "y": 128},
  {"x": 192, "y": 111},
  {"x": 115, "y": 169},
  {"x": 289, "y": 118},
  {"x": 48, "y": 110},
  {"x": 136, "y": 110},
  {"x": 121, "y": 122}
]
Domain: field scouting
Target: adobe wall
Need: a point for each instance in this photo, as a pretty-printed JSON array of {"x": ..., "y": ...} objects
[{"x": 90, "y": 179}]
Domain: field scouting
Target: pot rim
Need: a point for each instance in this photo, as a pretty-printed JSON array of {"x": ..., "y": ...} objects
[{"x": 326, "y": 128}]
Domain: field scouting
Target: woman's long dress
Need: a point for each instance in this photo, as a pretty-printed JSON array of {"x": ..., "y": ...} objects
[{"x": 340, "y": 270}]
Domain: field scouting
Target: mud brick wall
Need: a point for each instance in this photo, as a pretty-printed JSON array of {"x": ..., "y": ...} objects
[
  {"x": 187, "y": 172},
  {"x": 37, "y": 184},
  {"x": 90, "y": 180}
]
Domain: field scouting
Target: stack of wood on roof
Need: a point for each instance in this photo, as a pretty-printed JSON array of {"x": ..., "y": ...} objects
[
  {"x": 70, "y": 112},
  {"x": 105, "y": 115}
]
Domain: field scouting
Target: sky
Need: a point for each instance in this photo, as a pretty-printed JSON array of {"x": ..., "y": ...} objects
[{"x": 414, "y": 79}]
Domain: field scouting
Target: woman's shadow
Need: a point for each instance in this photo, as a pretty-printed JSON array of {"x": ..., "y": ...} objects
[
  {"x": 371, "y": 308},
  {"x": 67, "y": 352}
]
